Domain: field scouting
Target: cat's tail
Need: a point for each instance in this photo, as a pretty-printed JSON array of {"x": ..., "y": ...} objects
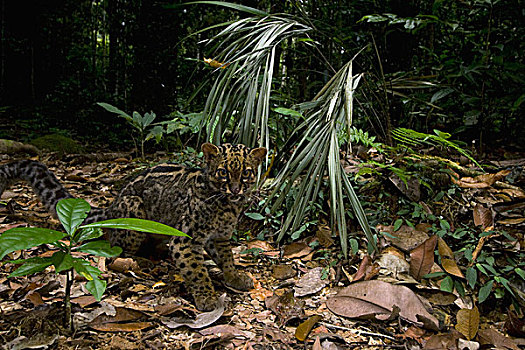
[{"x": 43, "y": 181}]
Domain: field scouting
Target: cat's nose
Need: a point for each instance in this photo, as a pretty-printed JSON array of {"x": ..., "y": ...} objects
[{"x": 235, "y": 188}]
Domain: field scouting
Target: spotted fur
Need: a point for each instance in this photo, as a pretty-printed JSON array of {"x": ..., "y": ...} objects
[{"x": 203, "y": 202}]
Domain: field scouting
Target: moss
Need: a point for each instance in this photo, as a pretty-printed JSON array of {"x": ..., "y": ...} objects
[{"x": 58, "y": 143}]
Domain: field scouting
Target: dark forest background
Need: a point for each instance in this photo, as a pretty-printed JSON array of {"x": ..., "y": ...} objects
[{"x": 451, "y": 65}]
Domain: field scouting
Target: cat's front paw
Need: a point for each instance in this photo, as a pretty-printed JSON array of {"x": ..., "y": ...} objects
[
  {"x": 239, "y": 281},
  {"x": 206, "y": 302}
]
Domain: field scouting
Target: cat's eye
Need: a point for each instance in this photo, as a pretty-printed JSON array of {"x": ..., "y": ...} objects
[
  {"x": 222, "y": 172},
  {"x": 246, "y": 172}
]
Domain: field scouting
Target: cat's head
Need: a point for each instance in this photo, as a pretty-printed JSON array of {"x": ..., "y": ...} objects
[{"x": 232, "y": 169}]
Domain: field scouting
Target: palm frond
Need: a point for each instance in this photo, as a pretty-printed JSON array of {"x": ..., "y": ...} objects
[{"x": 317, "y": 155}]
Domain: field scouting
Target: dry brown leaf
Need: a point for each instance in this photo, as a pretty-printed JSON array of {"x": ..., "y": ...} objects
[
  {"x": 283, "y": 271},
  {"x": 448, "y": 261},
  {"x": 225, "y": 329},
  {"x": 422, "y": 258},
  {"x": 124, "y": 265},
  {"x": 407, "y": 238},
  {"x": 491, "y": 336},
  {"x": 296, "y": 250},
  {"x": 511, "y": 221},
  {"x": 480, "y": 181},
  {"x": 468, "y": 322},
  {"x": 410, "y": 188},
  {"x": 267, "y": 248},
  {"x": 483, "y": 216},
  {"x": 84, "y": 300},
  {"x": 302, "y": 331},
  {"x": 514, "y": 325},
  {"x": 118, "y": 323},
  {"x": 202, "y": 320},
  {"x": 443, "y": 341},
  {"x": 310, "y": 283},
  {"x": 317, "y": 344},
  {"x": 378, "y": 299},
  {"x": 285, "y": 306}
]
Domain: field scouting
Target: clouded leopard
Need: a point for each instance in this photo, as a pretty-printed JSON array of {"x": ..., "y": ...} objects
[{"x": 203, "y": 202}]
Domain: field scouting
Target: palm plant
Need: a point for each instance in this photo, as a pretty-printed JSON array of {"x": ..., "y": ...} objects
[{"x": 240, "y": 99}]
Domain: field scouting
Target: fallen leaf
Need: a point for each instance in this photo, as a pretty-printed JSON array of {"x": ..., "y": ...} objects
[
  {"x": 422, "y": 258},
  {"x": 491, "y": 336},
  {"x": 267, "y": 248},
  {"x": 310, "y": 283},
  {"x": 302, "y": 331},
  {"x": 447, "y": 259},
  {"x": 324, "y": 235},
  {"x": 483, "y": 216},
  {"x": 226, "y": 329},
  {"x": 511, "y": 221},
  {"x": 38, "y": 341},
  {"x": 124, "y": 265},
  {"x": 443, "y": 341},
  {"x": 119, "y": 322},
  {"x": 515, "y": 325},
  {"x": 406, "y": 237},
  {"x": 410, "y": 188},
  {"x": 285, "y": 306},
  {"x": 468, "y": 322},
  {"x": 283, "y": 271},
  {"x": 296, "y": 250},
  {"x": 378, "y": 299},
  {"x": 84, "y": 300},
  {"x": 202, "y": 320}
]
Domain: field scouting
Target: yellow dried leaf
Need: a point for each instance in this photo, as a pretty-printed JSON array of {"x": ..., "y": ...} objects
[
  {"x": 468, "y": 322},
  {"x": 447, "y": 259},
  {"x": 302, "y": 331}
]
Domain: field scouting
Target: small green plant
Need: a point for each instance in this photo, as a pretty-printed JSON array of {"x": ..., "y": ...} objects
[
  {"x": 77, "y": 238},
  {"x": 142, "y": 124}
]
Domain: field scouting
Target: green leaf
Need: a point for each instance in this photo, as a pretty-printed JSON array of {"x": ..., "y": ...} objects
[
  {"x": 255, "y": 216},
  {"x": 19, "y": 238},
  {"x": 137, "y": 225},
  {"x": 472, "y": 277},
  {"x": 115, "y": 110},
  {"x": 520, "y": 272},
  {"x": 234, "y": 6},
  {"x": 447, "y": 284},
  {"x": 288, "y": 111},
  {"x": 96, "y": 287},
  {"x": 87, "y": 234},
  {"x": 397, "y": 224},
  {"x": 31, "y": 266},
  {"x": 100, "y": 248},
  {"x": 484, "y": 291},
  {"x": 72, "y": 212},
  {"x": 84, "y": 268},
  {"x": 62, "y": 261}
]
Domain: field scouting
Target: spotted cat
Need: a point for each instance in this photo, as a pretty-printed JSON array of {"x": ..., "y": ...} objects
[{"x": 203, "y": 202}]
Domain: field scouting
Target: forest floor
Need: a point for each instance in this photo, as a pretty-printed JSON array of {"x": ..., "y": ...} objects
[{"x": 306, "y": 295}]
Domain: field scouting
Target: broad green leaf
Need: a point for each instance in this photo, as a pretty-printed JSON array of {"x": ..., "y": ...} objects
[
  {"x": 484, "y": 291},
  {"x": 255, "y": 216},
  {"x": 447, "y": 284},
  {"x": 115, "y": 110},
  {"x": 86, "y": 234},
  {"x": 31, "y": 266},
  {"x": 20, "y": 238},
  {"x": 96, "y": 287},
  {"x": 62, "y": 261},
  {"x": 397, "y": 224},
  {"x": 72, "y": 212},
  {"x": 137, "y": 225},
  {"x": 100, "y": 248},
  {"x": 84, "y": 268},
  {"x": 520, "y": 272},
  {"x": 472, "y": 277}
]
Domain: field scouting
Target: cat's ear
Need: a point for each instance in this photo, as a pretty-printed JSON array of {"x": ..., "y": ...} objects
[
  {"x": 210, "y": 151},
  {"x": 258, "y": 154}
]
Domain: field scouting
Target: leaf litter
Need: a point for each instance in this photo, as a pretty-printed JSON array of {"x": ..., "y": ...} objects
[{"x": 297, "y": 301}]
